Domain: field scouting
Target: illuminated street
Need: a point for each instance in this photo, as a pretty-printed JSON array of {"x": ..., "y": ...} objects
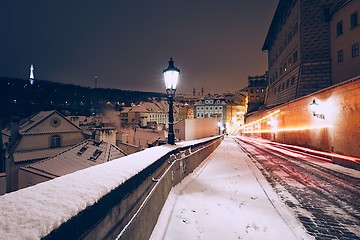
[{"x": 323, "y": 196}]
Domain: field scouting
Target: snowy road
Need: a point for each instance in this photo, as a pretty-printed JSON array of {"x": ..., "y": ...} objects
[
  {"x": 226, "y": 198},
  {"x": 324, "y": 196}
]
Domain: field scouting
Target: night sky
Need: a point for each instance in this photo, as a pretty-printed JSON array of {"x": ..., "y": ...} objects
[{"x": 126, "y": 44}]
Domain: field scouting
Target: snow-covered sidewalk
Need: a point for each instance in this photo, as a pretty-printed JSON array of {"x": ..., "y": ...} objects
[{"x": 226, "y": 198}]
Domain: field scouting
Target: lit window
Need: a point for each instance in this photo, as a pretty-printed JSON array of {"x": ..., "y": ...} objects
[
  {"x": 340, "y": 56},
  {"x": 355, "y": 50}
]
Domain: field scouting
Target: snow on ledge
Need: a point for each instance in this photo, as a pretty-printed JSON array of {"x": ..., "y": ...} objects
[{"x": 33, "y": 212}]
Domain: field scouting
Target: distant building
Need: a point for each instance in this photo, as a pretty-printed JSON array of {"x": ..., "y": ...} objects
[
  {"x": 147, "y": 113},
  {"x": 210, "y": 107},
  {"x": 298, "y": 46},
  {"x": 236, "y": 108},
  {"x": 38, "y": 137},
  {"x": 228, "y": 108},
  {"x": 256, "y": 91},
  {"x": 83, "y": 155},
  {"x": 345, "y": 40}
]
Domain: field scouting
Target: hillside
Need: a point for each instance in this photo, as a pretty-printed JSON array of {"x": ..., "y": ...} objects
[{"x": 19, "y": 98}]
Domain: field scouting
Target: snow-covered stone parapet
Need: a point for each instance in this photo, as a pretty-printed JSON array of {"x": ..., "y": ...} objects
[{"x": 34, "y": 212}]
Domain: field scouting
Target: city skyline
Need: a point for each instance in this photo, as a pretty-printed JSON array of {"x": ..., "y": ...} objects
[{"x": 126, "y": 45}]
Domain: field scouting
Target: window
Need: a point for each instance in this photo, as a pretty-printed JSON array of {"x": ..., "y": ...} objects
[
  {"x": 355, "y": 50},
  {"x": 353, "y": 20},
  {"x": 292, "y": 82},
  {"x": 295, "y": 28},
  {"x": 95, "y": 155},
  {"x": 287, "y": 83},
  {"x": 340, "y": 56},
  {"x": 252, "y": 90},
  {"x": 257, "y": 90},
  {"x": 339, "y": 28},
  {"x": 295, "y": 56},
  {"x": 289, "y": 36},
  {"x": 257, "y": 98},
  {"x": 274, "y": 90},
  {"x": 55, "y": 141},
  {"x": 263, "y": 90},
  {"x": 289, "y": 61}
]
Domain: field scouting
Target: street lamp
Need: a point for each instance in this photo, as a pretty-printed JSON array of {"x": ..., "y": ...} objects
[
  {"x": 171, "y": 76},
  {"x": 219, "y": 126},
  {"x": 314, "y": 108}
]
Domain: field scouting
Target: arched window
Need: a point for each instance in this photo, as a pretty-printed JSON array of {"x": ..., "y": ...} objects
[{"x": 55, "y": 141}]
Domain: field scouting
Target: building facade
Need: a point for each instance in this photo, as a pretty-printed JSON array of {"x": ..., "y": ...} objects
[
  {"x": 210, "y": 107},
  {"x": 299, "y": 49},
  {"x": 256, "y": 91},
  {"x": 148, "y": 113},
  {"x": 345, "y": 41},
  {"x": 40, "y": 136}
]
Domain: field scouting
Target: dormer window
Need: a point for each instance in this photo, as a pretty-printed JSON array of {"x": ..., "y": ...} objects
[{"x": 95, "y": 155}]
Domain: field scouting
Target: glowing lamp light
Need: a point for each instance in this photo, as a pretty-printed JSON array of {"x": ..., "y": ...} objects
[
  {"x": 171, "y": 76},
  {"x": 315, "y": 109}
]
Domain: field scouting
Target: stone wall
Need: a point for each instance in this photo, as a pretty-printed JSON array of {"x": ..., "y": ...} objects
[{"x": 294, "y": 122}]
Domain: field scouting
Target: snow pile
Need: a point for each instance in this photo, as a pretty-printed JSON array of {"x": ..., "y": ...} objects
[
  {"x": 33, "y": 212},
  {"x": 225, "y": 198}
]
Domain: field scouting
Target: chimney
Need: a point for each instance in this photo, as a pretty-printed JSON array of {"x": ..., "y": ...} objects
[
  {"x": 14, "y": 127},
  {"x": 97, "y": 137}
]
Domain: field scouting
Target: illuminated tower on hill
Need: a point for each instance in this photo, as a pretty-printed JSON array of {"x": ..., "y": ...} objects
[{"x": 31, "y": 78}]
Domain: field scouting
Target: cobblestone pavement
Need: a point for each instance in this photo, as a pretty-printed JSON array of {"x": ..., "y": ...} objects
[{"x": 325, "y": 200}]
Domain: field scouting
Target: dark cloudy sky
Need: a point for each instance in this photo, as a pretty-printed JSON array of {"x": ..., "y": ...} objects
[{"x": 215, "y": 43}]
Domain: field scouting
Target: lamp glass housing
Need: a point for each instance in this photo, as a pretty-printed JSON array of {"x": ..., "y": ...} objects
[{"x": 171, "y": 78}]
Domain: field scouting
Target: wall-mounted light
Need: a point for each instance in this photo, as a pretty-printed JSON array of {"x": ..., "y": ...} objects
[{"x": 315, "y": 109}]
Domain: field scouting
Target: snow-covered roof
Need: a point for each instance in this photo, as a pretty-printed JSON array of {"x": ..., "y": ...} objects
[
  {"x": 27, "y": 124},
  {"x": 23, "y": 156},
  {"x": 83, "y": 155}
]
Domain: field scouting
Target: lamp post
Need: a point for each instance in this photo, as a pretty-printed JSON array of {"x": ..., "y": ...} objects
[
  {"x": 171, "y": 76},
  {"x": 219, "y": 126}
]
